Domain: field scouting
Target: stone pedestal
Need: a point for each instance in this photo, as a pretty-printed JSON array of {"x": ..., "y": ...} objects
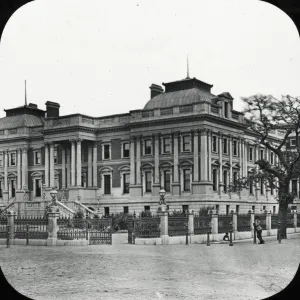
[
  {"x": 196, "y": 188},
  {"x": 11, "y": 222},
  {"x": 164, "y": 225},
  {"x": 191, "y": 222},
  {"x": 234, "y": 222},
  {"x": 53, "y": 215},
  {"x": 5, "y": 196},
  {"x": 295, "y": 221},
  {"x": 268, "y": 223},
  {"x": 214, "y": 224}
]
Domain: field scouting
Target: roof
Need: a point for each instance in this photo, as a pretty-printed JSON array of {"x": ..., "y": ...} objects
[
  {"x": 20, "y": 121},
  {"x": 179, "y": 98}
]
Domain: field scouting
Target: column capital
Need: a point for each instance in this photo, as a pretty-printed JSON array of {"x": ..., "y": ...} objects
[
  {"x": 72, "y": 140},
  {"x": 176, "y": 133},
  {"x": 203, "y": 132},
  {"x": 24, "y": 149},
  {"x": 132, "y": 139},
  {"x": 79, "y": 140}
]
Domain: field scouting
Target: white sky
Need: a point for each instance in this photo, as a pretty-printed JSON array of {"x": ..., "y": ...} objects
[{"x": 100, "y": 57}]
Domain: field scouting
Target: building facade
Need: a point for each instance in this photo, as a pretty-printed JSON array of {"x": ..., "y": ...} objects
[{"x": 186, "y": 139}]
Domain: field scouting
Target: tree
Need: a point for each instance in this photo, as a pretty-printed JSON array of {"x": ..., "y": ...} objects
[{"x": 264, "y": 116}]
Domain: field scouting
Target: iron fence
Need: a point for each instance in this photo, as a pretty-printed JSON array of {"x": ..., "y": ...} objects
[
  {"x": 71, "y": 229},
  {"x": 274, "y": 221},
  {"x": 290, "y": 220},
  {"x": 177, "y": 225},
  {"x": 298, "y": 220},
  {"x": 3, "y": 228},
  {"x": 200, "y": 224},
  {"x": 243, "y": 223},
  {"x": 224, "y": 223},
  {"x": 31, "y": 227},
  {"x": 146, "y": 227}
]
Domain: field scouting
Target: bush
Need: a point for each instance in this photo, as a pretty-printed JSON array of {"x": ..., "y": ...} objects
[
  {"x": 79, "y": 214},
  {"x": 205, "y": 210}
]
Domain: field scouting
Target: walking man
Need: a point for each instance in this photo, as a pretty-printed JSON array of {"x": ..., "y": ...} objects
[{"x": 258, "y": 229}]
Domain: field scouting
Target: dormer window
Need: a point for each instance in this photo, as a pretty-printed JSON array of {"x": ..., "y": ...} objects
[{"x": 226, "y": 109}]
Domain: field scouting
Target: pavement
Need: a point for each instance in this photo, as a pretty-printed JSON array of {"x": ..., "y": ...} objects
[{"x": 123, "y": 271}]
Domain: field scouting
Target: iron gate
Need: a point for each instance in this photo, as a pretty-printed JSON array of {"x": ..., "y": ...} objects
[{"x": 100, "y": 231}]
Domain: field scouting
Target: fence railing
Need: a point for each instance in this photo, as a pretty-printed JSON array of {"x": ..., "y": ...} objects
[
  {"x": 224, "y": 223},
  {"x": 201, "y": 224},
  {"x": 146, "y": 227},
  {"x": 243, "y": 223},
  {"x": 31, "y": 227},
  {"x": 72, "y": 229},
  {"x": 3, "y": 228},
  {"x": 177, "y": 225}
]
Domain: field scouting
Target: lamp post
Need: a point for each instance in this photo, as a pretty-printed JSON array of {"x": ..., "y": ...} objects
[
  {"x": 24, "y": 192},
  {"x": 53, "y": 195},
  {"x": 208, "y": 232},
  {"x": 162, "y": 200},
  {"x": 230, "y": 241}
]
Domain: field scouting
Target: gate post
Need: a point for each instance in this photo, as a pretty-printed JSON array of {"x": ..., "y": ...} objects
[
  {"x": 53, "y": 215},
  {"x": 191, "y": 223},
  {"x": 295, "y": 221},
  {"x": 234, "y": 223},
  {"x": 214, "y": 225},
  {"x": 268, "y": 223},
  {"x": 164, "y": 235},
  {"x": 11, "y": 222},
  {"x": 252, "y": 222}
]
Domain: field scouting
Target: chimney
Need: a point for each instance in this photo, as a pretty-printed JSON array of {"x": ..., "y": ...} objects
[
  {"x": 32, "y": 105},
  {"x": 52, "y": 109},
  {"x": 155, "y": 90}
]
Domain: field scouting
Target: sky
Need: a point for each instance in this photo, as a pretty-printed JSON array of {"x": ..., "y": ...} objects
[{"x": 100, "y": 57}]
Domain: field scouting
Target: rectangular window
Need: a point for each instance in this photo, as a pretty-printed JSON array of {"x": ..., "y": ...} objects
[
  {"x": 225, "y": 176},
  {"x": 294, "y": 187},
  {"x": 38, "y": 188},
  {"x": 106, "y": 152},
  {"x": 126, "y": 178},
  {"x": 1, "y": 160},
  {"x": 37, "y": 157},
  {"x": 214, "y": 144},
  {"x": 147, "y": 208},
  {"x": 125, "y": 150},
  {"x": 234, "y": 177},
  {"x": 264, "y": 208},
  {"x": 1, "y": 189},
  {"x": 148, "y": 147},
  {"x": 261, "y": 154},
  {"x": 185, "y": 208},
  {"x": 167, "y": 145},
  {"x": 251, "y": 187},
  {"x": 13, "y": 159},
  {"x": 237, "y": 208},
  {"x": 55, "y": 156},
  {"x": 293, "y": 142},
  {"x": 214, "y": 177},
  {"x": 186, "y": 143},
  {"x": 13, "y": 188},
  {"x": 251, "y": 154},
  {"x": 125, "y": 209},
  {"x": 225, "y": 148},
  {"x": 167, "y": 181},
  {"x": 107, "y": 184},
  {"x": 253, "y": 208},
  {"x": 148, "y": 182},
  {"x": 235, "y": 147},
  {"x": 274, "y": 210},
  {"x": 217, "y": 208},
  {"x": 106, "y": 211},
  {"x": 272, "y": 158},
  {"x": 272, "y": 190},
  {"x": 227, "y": 210},
  {"x": 261, "y": 186},
  {"x": 226, "y": 109},
  {"x": 186, "y": 180}
]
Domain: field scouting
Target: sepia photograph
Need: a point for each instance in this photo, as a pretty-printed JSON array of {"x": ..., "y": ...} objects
[{"x": 149, "y": 150}]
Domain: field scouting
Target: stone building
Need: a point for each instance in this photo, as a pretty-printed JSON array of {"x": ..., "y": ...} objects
[{"x": 185, "y": 139}]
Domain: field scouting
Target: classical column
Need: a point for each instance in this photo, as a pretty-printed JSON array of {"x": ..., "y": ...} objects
[
  {"x": 24, "y": 167},
  {"x": 68, "y": 167},
  {"x": 196, "y": 156},
  {"x": 5, "y": 170},
  {"x": 90, "y": 166},
  {"x": 209, "y": 156},
  {"x": 73, "y": 163},
  {"x": 79, "y": 162},
  {"x": 51, "y": 165},
  {"x": 230, "y": 159},
  {"x": 156, "y": 159},
  {"x": 63, "y": 166},
  {"x": 204, "y": 163},
  {"x": 138, "y": 161},
  {"x": 256, "y": 167},
  {"x": 241, "y": 162},
  {"x": 221, "y": 161},
  {"x": 95, "y": 165},
  {"x": 47, "y": 164},
  {"x": 245, "y": 158},
  {"x": 175, "y": 158},
  {"x": 132, "y": 162},
  {"x": 19, "y": 179}
]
